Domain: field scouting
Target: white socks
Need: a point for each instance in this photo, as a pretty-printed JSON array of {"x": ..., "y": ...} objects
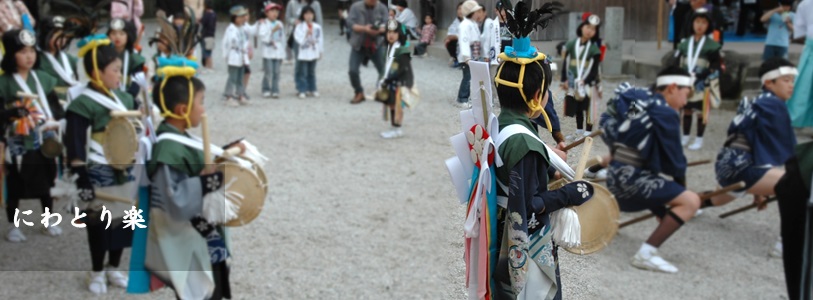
[
  {"x": 698, "y": 143},
  {"x": 646, "y": 250},
  {"x": 684, "y": 140}
]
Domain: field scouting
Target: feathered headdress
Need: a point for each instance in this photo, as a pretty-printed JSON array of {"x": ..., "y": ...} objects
[
  {"x": 180, "y": 41},
  {"x": 521, "y": 21}
]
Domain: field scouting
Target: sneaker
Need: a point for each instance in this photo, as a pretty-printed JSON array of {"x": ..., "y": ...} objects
[
  {"x": 52, "y": 230},
  {"x": 14, "y": 235},
  {"x": 464, "y": 105},
  {"x": 244, "y": 101},
  {"x": 301, "y": 96},
  {"x": 602, "y": 174},
  {"x": 266, "y": 95},
  {"x": 653, "y": 263},
  {"x": 275, "y": 95},
  {"x": 315, "y": 94},
  {"x": 391, "y": 134},
  {"x": 231, "y": 102},
  {"x": 684, "y": 141},
  {"x": 116, "y": 278},
  {"x": 587, "y": 133},
  {"x": 776, "y": 252},
  {"x": 96, "y": 283},
  {"x": 698, "y": 143}
]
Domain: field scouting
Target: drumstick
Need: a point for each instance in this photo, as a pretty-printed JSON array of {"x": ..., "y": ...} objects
[
  {"x": 207, "y": 148},
  {"x": 699, "y": 162},
  {"x": 108, "y": 197},
  {"x": 703, "y": 197},
  {"x": 579, "y": 142},
  {"x": 588, "y": 145},
  {"x": 746, "y": 208},
  {"x": 126, "y": 114}
]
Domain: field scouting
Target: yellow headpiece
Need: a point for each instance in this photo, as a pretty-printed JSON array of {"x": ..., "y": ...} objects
[{"x": 172, "y": 71}]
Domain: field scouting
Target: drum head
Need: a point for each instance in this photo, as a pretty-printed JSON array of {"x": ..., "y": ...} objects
[
  {"x": 258, "y": 169},
  {"x": 599, "y": 221},
  {"x": 246, "y": 183},
  {"x": 120, "y": 143}
]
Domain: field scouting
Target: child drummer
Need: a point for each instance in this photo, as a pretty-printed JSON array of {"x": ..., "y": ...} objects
[
  {"x": 30, "y": 168},
  {"x": 184, "y": 235},
  {"x": 524, "y": 227},
  {"x": 86, "y": 159}
]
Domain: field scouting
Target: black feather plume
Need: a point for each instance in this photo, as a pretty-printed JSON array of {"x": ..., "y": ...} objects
[{"x": 521, "y": 20}]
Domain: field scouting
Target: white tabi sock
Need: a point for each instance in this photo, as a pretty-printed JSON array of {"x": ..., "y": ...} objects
[{"x": 646, "y": 250}]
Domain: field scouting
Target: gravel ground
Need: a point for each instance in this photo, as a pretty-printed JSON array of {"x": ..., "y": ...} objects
[{"x": 355, "y": 216}]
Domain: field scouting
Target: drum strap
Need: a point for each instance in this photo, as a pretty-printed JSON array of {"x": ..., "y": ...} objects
[
  {"x": 41, "y": 102},
  {"x": 557, "y": 162},
  {"x": 111, "y": 104},
  {"x": 62, "y": 68},
  {"x": 197, "y": 143}
]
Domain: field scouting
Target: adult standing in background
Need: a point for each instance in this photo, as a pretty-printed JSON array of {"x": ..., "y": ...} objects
[
  {"x": 747, "y": 6},
  {"x": 367, "y": 20},
  {"x": 680, "y": 9},
  {"x": 406, "y": 17},
  {"x": 166, "y": 8},
  {"x": 800, "y": 105},
  {"x": 451, "y": 37},
  {"x": 197, "y": 6}
]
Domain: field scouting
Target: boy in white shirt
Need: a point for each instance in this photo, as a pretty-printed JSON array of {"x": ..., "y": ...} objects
[
  {"x": 469, "y": 46},
  {"x": 272, "y": 36}
]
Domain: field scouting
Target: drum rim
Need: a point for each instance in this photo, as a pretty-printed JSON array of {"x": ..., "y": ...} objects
[{"x": 257, "y": 182}]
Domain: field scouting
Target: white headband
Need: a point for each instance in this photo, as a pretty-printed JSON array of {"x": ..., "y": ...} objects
[
  {"x": 781, "y": 71},
  {"x": 680, "y": 80}
]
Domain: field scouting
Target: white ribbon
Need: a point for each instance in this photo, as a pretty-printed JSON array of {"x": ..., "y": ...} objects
[
  {"x": 581, "y": 62},
  {"x": 125, "y": 71},
  {"x": 390, "y": 58},
  {"x": 42, "y": 106},
  {"x": 556, "y": 161},
  {"x": 64, "y": 68},
  {"x": 693, "y": 56}
]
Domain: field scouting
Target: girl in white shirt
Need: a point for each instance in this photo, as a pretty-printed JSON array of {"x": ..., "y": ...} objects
[
  {"x": 309, "y": 38},
  {"x": 272, "y": 36}
]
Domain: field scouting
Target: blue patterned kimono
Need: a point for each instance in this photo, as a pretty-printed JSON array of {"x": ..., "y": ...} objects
[
  {"x": 652, "y": 130},
  {"x": 764, "y": 123},
  {"x": 617, "y": 108}
]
